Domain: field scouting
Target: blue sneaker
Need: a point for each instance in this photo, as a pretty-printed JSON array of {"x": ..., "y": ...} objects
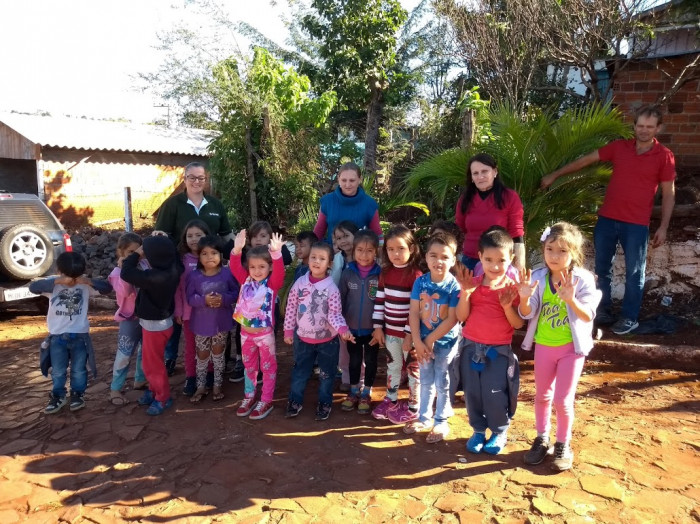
[
  {"x": 157, "y": 408},
  {"x": 147, "y": 398},
  {"x": 476, "y": 442},
  {"x": 495, "y": 444}
]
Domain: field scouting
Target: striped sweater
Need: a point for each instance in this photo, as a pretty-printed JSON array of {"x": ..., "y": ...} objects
[{"x": 394, "y": 300}]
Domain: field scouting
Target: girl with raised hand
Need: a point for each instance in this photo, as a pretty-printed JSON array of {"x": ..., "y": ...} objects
[
  {"x": 260, "y": 284},
  {"x": 560, "y": 301}
]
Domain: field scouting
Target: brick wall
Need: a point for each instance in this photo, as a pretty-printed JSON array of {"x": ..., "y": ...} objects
[{"x": 645, "y": 82}]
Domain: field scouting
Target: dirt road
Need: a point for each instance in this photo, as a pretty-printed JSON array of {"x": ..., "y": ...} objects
[{"x": 636, "y": 440}]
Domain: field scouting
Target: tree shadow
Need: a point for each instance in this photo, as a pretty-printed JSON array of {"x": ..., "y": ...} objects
[
  {"x": 69, "y": 215},
  {"x": 203, "y": 460}
]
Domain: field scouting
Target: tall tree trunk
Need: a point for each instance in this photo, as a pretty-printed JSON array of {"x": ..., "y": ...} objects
[
  {"x": 467, "y": 128},
  {"x": 251, "y": 175},
  {"x": 374, "y": 118}
]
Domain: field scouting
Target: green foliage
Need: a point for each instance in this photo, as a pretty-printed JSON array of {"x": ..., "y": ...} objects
[
  {"x": 357, "y": 42},
  {"x": 269, "y": 133},
  {"x": 527, "y": 148}
]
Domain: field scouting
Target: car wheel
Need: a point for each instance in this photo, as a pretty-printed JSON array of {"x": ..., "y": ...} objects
[{"x": 25, "y": 252}]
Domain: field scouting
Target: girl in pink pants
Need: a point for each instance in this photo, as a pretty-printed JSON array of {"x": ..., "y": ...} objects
[
  {"x": 260, "y": 283},
  {"x": 560, "y": 301}
]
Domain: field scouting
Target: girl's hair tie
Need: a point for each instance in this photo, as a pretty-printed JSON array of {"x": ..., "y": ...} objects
[{"x": 545, "y": 234}]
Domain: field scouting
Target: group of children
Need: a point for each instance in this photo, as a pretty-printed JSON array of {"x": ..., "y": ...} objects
[{"x": 341, "y": 309}]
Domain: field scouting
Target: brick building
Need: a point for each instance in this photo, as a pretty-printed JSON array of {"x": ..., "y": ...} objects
[{"x": 675, "y": 49}]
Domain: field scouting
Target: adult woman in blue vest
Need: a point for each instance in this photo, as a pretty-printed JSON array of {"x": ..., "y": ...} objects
[{"x": 348, "y": 202}]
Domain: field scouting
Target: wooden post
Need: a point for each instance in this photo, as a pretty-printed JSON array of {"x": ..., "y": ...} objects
[{"x": 127, "y": 210}]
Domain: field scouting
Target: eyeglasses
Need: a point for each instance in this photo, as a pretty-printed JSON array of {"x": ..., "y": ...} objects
[{"x": 199, "y": 179}]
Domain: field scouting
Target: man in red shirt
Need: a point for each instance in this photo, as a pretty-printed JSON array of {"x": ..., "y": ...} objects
[{"x": 640, "y": 165}]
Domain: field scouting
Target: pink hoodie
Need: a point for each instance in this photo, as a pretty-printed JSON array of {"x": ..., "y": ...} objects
[
  {"x": 182, "y": 308},
  {"x": 314, "y": 311},
  {"x": 126, "y": 293}
]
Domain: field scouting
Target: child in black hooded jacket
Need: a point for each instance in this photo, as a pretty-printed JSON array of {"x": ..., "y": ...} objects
[{"x": 155, "y": 304}]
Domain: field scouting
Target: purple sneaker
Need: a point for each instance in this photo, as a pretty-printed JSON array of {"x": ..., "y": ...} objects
[
  {"x": 401, "y": 414},
  {"x": 381, "y": 410}
]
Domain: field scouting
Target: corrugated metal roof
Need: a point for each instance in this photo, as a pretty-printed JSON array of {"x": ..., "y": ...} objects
[{"x": 81, "y": 133}]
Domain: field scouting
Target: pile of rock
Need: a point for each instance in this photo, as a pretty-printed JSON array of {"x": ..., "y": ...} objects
[{"x": 99, "y": 247}]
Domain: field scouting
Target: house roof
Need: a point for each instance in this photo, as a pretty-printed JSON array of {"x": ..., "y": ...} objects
[{"x": 79, "y": 133}]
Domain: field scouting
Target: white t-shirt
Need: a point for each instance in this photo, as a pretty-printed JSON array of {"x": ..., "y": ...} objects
[{"x": 68, "y": 309}]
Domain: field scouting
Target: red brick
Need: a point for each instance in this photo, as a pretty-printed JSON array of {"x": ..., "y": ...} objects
[
  {"x": 670, "y": 128},
  {"x": 637, "y": 76},
  {"x": 641, "y": 87}
]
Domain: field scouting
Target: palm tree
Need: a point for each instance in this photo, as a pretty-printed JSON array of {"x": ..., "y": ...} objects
[{"x": 527, "y": 148}]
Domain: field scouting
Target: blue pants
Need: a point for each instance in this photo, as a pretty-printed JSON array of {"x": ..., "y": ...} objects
[
  {"x": 68, "y": 348},
  {"x": 487, "y": 391},
  {"x": 326, "y": 354},
  {"x": 129, "y": 339},
  {"x": 435, "y": 380},
  {"x": 634, "y": 240},
  {"x": 173, "y": 344},
  {"x": 455, "y": 369}
]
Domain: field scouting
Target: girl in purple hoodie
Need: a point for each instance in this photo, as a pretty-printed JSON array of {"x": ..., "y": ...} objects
[
  {"x": 189, "y": 250},
  {"x": 211, "y": 292}
]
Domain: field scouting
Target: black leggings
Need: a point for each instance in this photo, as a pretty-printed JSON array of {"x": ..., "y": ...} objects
[{"x": 357, "y": 351}]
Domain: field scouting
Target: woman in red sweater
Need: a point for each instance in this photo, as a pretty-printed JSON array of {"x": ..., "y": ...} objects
[{"x": 486, "y": 202}]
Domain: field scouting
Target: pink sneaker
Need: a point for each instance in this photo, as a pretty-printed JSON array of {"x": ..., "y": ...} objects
[
  {"x": 381, "y": 410},
  {"x": 401, "y": 414}
]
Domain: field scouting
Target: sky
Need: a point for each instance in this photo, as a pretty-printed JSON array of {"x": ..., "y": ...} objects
[{"x": 82, "y": 57}]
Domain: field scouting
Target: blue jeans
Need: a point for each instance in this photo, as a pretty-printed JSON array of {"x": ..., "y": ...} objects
[
  {"x": 326, "y": 354},
  {"x": 173, "y": 344},
  {"x": 435, "y": 379},
  {"x": 68, "y": 348},
  {"x": 634, "y": 240}
]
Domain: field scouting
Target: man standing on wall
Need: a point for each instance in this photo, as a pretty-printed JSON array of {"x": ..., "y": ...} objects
[{"x": 639, "y": 165}]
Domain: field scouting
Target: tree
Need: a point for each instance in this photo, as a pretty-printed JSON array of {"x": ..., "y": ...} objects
[
  {"x": 515, "y": 47},
  {"x": 526, "y": 148},
  {"x": 357, "y": 43},
  {"x": 496, "y": 38},
  {"x": 267, "y": 149}
]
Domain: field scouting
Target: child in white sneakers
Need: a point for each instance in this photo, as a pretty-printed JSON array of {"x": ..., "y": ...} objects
[{"x": 433, "y": 321}]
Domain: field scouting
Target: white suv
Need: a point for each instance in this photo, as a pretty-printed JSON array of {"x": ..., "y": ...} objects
[{"x": 31, "y": 237}]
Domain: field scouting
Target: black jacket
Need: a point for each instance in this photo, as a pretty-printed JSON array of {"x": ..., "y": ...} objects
[{"x": 157, "y": 286}]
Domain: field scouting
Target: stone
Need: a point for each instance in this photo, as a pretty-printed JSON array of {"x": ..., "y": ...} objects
[
  {"x": 580, "y": 502},
  {"x": 129, "y": 433},
  {"x": 603, "y": 486},
  {"x": 470, "y": 517},
  {"x": 17, "y": 445},
  {"x": 313, "y": 505},
  {"x": 41, "y": 499},
  {"x": 664, "y": 502},
  {"x": 528, "y": 478},
  {"x": 412, "y": 508},
  {"x": 284, "y": 504},
  {"x": 510, "y": 504},
  {"x": 295, "y": 518},
  {"x": 14, "y": 490},
  {"x": 9, "y": 516},
  {"x": 547, "y": 507},
  {"x": 451, "y": 503}
]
